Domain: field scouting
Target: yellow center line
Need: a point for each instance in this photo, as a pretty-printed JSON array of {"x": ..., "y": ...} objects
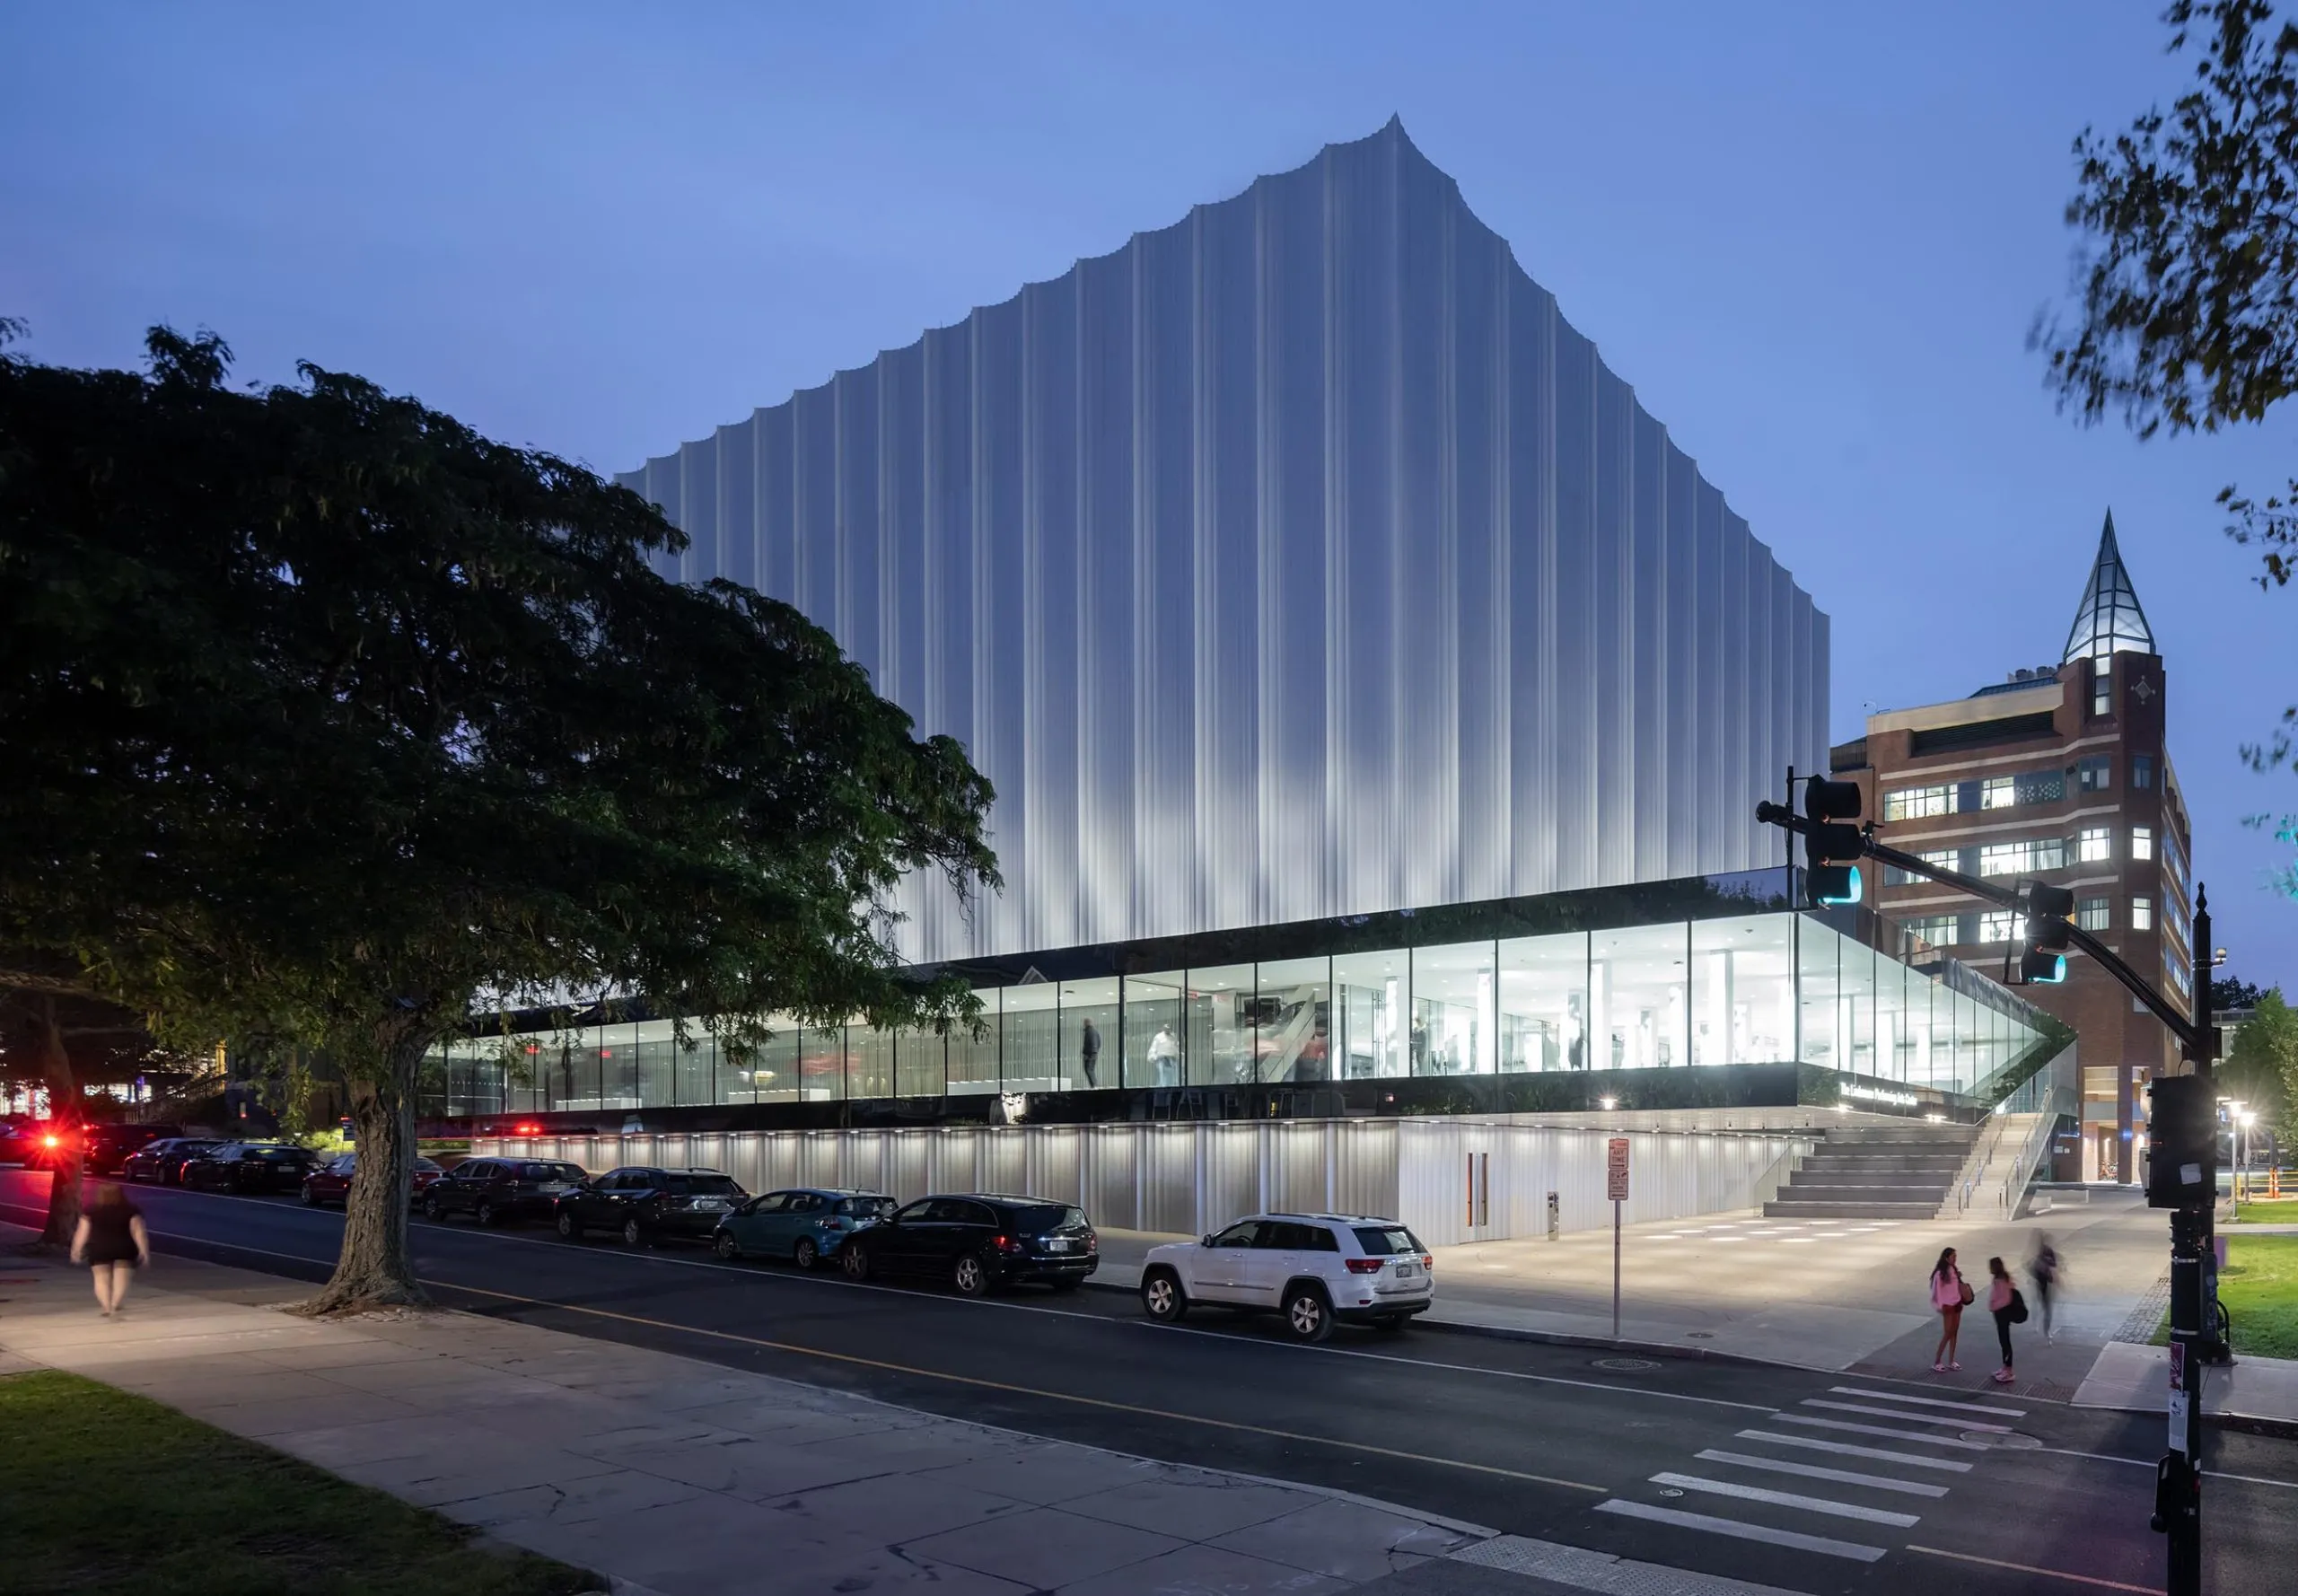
[
  {"x": 2080, "y": 1579},
  {"x": 1023, "y": 1390}
]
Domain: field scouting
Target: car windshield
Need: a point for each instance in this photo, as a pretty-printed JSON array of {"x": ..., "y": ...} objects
[
  {"x": 701, "y": 1186},
  {"x": 1036, "y": 1218},
  {"x": 1387, "y": 1241},
  {"x": 425, "y": 1165},
  {"x": 866, "y": 1207},
  {"x": 549, "y": 1172}
]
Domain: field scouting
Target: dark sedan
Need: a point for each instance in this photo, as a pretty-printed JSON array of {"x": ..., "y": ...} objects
[
  {"x": 332, "y": 1182},
  {"x": 162, "y": 1161},
  {"x": 493, "y": 1189},
  {"x": 644, "y": 1205},
  {"x": 976, "y": 1242},
  {"x": 248, "y": 1167},
  {"x": 106, "y": 1149}
]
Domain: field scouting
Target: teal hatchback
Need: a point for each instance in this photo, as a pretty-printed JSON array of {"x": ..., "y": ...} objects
[{"x": 804, "y": 1225}]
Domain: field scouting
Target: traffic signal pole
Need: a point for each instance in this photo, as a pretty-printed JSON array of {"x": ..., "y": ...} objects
[{"x": 2194, "y": 1320}]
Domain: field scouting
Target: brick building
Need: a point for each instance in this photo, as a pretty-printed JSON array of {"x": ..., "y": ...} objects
[{"x": 2059, "y": 774}]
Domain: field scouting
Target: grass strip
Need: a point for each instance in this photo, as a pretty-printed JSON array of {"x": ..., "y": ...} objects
[{"x": 102, "y": 1491}]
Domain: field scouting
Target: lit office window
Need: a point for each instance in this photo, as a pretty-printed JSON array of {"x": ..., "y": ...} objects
[
  {"x": 2013, "y": 858},
  {"x": 2142, "y": 771},
  {"x": 2102, "y": 693},
  {"x": 2142, "y": 914},
  {"x": 1919, "y": 803},
  {"x": 1998, "y": 925},
  {"x": 2095, "y": 774},
  {"x": 1941, "y": 931},
  {"x": 2142, "y": 842},
  {"x": 1998, "y": 792},
  {"x": 2096, "y": 843},
  {"x": 2092, "y": 914}
]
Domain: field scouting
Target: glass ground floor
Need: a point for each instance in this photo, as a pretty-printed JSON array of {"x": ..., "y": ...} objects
[{"x": 1675, "y": 976}]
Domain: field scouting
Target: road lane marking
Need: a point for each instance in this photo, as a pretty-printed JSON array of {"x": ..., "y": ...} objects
[
  {"x": 1841, "y": 1510},
  {"x": 1852, "y": 1390},
  {"x": 2101, "y": 1456},
  {"x": 1846, "y": 1449},
  {"x": 1913, "y": 1418},
  {"x": 1845, "y": 1477},
  {"x": 1852, "y": 1549},
  {"x": 1837, "y": 1424},
  {"x": 2080, "y": 1579}
]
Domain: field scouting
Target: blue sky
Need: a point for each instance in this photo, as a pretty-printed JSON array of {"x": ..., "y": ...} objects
[{"x": 1813, "y": 237}]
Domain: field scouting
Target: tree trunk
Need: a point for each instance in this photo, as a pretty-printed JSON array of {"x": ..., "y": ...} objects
[
  {"x": 63, "y": 1114},
  {"x": 375, "y": 1269}
]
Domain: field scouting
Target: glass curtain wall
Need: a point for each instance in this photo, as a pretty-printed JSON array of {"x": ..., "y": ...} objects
[
  {"x": 1218, "y": 1021},
  {"x": 1293, "y": 1020},
  {"x": 1089, "y": 1033},
  {"x": 1153, "y": 1029},
  {"x": 1369, "y": 991},
  {"x": 1454, "y": 1019},
  {"x": 1542, "y": 993}
]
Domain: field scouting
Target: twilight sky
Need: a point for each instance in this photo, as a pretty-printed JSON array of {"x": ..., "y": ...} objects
[{"x": 1813, "y": 237}]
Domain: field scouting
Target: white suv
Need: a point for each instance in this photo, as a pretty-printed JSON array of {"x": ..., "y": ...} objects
[{"x": 1313, "y": 1268}]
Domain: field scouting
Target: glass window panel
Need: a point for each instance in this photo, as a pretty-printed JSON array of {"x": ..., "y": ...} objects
[
  {"x": 1153, "y": 1029},
  {"x": 1856, "y": 999},
  {"x": 1293, "y": 1019},
  {"x": 2092, "y": 915},
  {"x": 1638, "y": 983},
  {"x": 2142, "y": 914},
  {"x": 617, "y": 1067},
  {"x": 2094, "y": 843},
  {"x": 870, "y": 1061},
  {"x": 653, "y": 1048},
  {"x": 2142, "y": 842},
  {"x": 1817, "y": 962},
  {"x": 1744, "y": 990},
  {"x": 1219, "y": 1022},
  {"x": 1369, "y": 1020},
  {"x": 973, "y": 1059},
  {"x": 821, "y": 1063},
  {"x": 1452, "y": 1010},
  {"x": 1032, "y": 1032},
  {"x": 918, "y": 1064},
  {"x": 1089, "y": 1019},
  {"x": 696, "y": 1062},
  {"x": 569, "y": 1066},
  {"x": 1543, "y": 999}
]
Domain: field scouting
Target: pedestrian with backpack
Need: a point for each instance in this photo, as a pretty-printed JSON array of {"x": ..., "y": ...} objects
[
  {"x": 2009, "y": 1308},
  {"x": 1949, "y": 1296},
  {"x": 2045, "y": 1268}
]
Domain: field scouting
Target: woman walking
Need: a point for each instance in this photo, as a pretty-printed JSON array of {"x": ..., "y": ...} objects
[
  {"x": 111, "y": 1240},
  {"x": 2000, "y": 1297},
  {"x": 1949, "y": 1295}
]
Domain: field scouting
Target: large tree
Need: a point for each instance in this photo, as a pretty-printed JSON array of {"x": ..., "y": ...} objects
[
  {"x": 329, "y": 721},
  {"x": 2189, "y": 274}
]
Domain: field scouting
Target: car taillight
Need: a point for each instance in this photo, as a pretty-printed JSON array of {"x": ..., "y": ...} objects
[
  {"x": 833, "y": 1224},
  {"x": 1427, "y": 1260},
  {"x": 1364, "y": 1266},
  {"x": 1006, "y": 1244}
]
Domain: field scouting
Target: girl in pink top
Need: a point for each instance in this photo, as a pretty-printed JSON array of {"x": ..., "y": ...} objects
[{"x": 1948, "y": 1295}]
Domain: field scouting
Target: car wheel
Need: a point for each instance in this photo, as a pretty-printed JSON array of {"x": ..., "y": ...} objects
[
  {"x": 569, "y": 1227},
  {"x": 633, "y": 1234},
  {"x": 969, "y": 1275},
  {"x": 855, "y": 1261},
  {"x": 1308, "y": 1317},
  {"x": 432, "y": 1212},
  {"x": 724, "y": 1245},
  {"x": 310, "y": 1198},
  {"x": 1162, "y": 1298},
  {"x": 806, "y": 1254},
  {"x": 484, "y": 1212}
]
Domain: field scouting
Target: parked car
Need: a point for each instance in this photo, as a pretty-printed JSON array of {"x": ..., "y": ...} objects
[
  {"x": 1313, "y": 1268},
  {"x": 978, "y": 1241},
  {"x": 105, "y": 1148},
  {"x": 248, "y": 1167},
  {"x": 21, "y": 1141},
  {"x": 806, "y": 1225},
  {"x": 493, "y": 1189},
  {"x": 332, "y": 1182},
  {"x": 644, "y": 1205},
  {"x": 162, "y": 1161}
]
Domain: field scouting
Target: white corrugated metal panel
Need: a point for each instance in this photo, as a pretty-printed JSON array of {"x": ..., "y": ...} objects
[
  {"x": 1297, "y": 1164},
  {"x": 1232, "y": 1155},
  {"x": 1004, "y": 1159},
  {"x": 1364, "y": 1176},
  {"x": 1169, "y": 1178},
  {"x": 1112, "y": 1170},
  {"x": 911, "y": 1163}
]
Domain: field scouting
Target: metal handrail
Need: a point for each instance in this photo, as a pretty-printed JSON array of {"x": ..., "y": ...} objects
[
  {"x": 1985, "y": 1161},
  {"x": 2022, "y": 1166}
]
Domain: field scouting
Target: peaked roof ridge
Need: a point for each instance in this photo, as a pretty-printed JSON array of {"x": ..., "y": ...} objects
[{"x": 2109, "y": 621}]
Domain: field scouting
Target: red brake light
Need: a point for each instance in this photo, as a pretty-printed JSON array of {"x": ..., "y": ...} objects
[
  {"x": 51, "y": 1141},
  {"x": 1427, "y": 1260},
  {"x": 1006, "y": 1244},
  {"x": 1364, "y": 1266},
  {"x": 525, "y": 1130}
]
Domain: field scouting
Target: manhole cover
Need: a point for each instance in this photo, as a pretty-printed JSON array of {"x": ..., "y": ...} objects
[
  {"x": 2010, "y": 1441},
  {"x": 1625, "y": 1365},
  {"x": 1670, "y": 1491}
]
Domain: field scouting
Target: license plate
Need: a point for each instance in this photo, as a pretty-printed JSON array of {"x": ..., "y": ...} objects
[
  {"x": 1406, "y": 1271},
  {"x": 1057, "y": 1244},
  {"x": 714, "y": 1205},
  {"x": 552, "y": 1188}
]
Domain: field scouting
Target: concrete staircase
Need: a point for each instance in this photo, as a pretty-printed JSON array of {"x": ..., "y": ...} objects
[{"x": 1876, "y": 1173}]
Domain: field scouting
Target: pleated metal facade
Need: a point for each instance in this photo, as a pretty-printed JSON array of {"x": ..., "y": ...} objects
[{"x": 1296, "y": 560}]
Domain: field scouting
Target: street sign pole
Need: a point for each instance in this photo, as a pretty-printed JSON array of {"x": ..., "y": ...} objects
[{"x": 1615, "y": 1188}]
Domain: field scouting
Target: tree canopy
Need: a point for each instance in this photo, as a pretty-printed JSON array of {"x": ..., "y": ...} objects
[{"x": 329, "y": 719}]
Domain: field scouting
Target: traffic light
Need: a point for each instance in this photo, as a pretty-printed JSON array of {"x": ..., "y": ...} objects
[
  {"x": 2048, "y": 935},
  {"x": 1833, "y": 845},
  {"x": 2181, "y": 1142}
]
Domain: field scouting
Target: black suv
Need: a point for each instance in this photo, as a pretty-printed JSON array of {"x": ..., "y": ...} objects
[
  {"x": 642, "y": 1205},
  {"x": 976, "y": 1242},
  {"x": 249, "y": 1166},
  {"x": 493, "y": 1189}
]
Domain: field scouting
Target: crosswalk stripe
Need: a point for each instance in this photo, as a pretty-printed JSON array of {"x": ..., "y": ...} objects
[
  {"x": 1913, "y": 1418},
  {"x": 1852, "y": 1390},
  {"x": 1844, "y": 1449},
  {"x": 1845, "y": 1424},
  {"x": 1852, "y": 1549},
  {"x": 1878, "y": 1482},
  {"x": 1825, "y": 1504}
]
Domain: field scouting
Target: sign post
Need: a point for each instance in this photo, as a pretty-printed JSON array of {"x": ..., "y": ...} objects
[{"x": 1615, "y": 1188}]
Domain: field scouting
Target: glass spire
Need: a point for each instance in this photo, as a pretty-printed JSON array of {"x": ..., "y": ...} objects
[{"x": 2109, "y": 621}]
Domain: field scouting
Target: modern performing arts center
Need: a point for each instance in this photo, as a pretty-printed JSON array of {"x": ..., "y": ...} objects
[{"x": 1377, "y": 702}]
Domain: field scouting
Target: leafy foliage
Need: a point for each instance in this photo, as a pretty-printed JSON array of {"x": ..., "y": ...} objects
[
  {"x": 329, "y": 718},
  {"x": 2261, "y": 1068}
]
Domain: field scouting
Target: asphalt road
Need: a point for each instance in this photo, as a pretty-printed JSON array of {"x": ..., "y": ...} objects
[{"x": 1701, "y": 1465}]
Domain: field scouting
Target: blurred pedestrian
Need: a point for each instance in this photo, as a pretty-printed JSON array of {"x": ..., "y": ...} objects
[
  {"x": 2004, "y": 1301},
  {"x": 111, "y": 1240},
  {"x": 1949, "y": 1296},
  {"x": 2044, "y": 1269}
]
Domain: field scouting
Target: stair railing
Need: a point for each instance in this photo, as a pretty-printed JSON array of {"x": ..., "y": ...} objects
[{"x": 1975, "y": 1171}]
